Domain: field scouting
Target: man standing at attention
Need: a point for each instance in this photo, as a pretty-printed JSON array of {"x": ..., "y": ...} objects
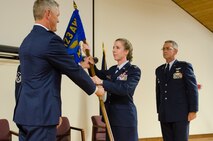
[
  {"x": 43, "y": 59},
  {"x": 176, "y": 95}
]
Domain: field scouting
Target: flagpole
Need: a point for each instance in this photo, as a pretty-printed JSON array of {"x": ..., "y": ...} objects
[
  {"x": 103, "y": 67},
  {"x": 103, "y": 109}
]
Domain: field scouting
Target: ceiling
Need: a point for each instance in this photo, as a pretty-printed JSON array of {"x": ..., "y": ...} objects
[{"x": 201, "y": 10}]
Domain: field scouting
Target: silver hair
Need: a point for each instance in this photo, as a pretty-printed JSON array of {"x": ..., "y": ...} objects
[
  {"x": 174, "y": 44},
  {"x": 40, "y": 6}
]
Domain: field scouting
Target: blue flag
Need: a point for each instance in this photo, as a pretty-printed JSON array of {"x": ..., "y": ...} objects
[{"x": 73, "y": 35}]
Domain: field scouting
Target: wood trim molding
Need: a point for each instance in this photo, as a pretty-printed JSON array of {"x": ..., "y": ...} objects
[{"x": 197, "y": 136}]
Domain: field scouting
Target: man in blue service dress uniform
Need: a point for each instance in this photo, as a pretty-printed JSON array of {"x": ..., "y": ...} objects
[
  {"x": 43, "y": 59},
  {"x": 176, "y": 95}
]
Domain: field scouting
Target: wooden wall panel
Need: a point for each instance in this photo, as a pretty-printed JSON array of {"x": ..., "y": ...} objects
[{"x": 201, "y": 10}]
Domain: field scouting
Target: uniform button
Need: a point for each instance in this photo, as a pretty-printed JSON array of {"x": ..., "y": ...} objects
[
  {"x": 165, "y": 92},
  {"x": 165, "y": 84},
  {"x": 165, "y": 98}
]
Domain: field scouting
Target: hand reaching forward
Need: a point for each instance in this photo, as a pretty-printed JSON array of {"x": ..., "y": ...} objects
[
  {"x": 86, "y": 62},
  {"x": 84, "y": 46}
]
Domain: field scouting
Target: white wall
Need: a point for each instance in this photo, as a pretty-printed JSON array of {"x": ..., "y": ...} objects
[
  {"x": 146, "y": 23},
  {"x": 16, "y": 22}
]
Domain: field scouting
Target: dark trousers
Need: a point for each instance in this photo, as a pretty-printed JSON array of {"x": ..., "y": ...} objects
[
  {"x": 175, "y": 131},
  {"x": 37, "y": 133},
  {"x": 124, "y": 133}
]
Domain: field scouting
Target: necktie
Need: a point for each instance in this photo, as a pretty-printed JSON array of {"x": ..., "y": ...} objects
[
  {"x": 117, "y": 69},
  {"x": 167, "y": 71}
]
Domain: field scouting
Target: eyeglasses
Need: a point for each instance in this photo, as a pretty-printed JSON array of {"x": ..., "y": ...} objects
[{"x": 167, "y": 48}]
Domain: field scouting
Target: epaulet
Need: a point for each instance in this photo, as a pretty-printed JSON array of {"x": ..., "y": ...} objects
[
  {"x": 134, "y": 66},
  {"x": 183, "y": 62},
  {"x": 161, "y": 66}
]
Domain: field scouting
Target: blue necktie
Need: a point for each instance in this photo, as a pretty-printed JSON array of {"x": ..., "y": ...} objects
[
  {"x": 167, "y": 71},
  {"x": 117, "y": 69}
]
